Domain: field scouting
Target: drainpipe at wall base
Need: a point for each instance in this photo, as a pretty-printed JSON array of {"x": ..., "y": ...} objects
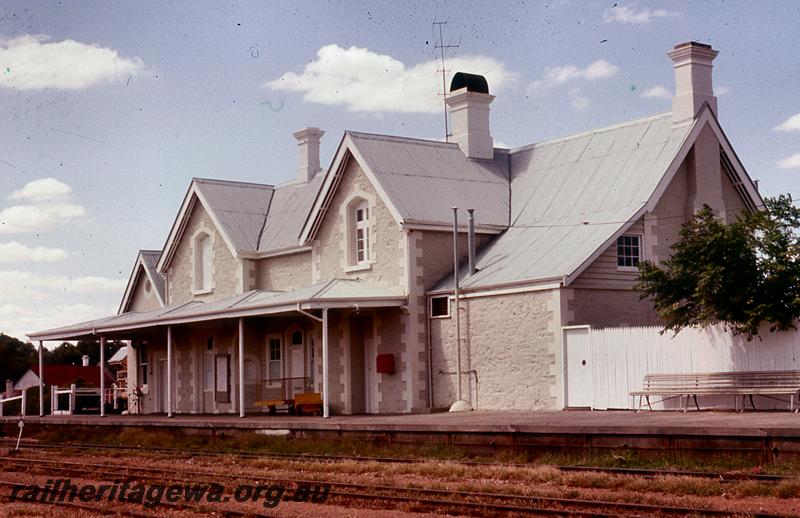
[
  {"x": 325, "y": 395},
  {"x": 428, "y": 343},
  {"x": 459, "y": 405},
  {"x": 102, "y": 376}
]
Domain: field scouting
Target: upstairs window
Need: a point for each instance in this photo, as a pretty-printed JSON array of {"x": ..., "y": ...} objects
[
  {"x": 628, "y": 252},
  {"x": 362, "y": 236},
  {"x": 203, "y": 263}
]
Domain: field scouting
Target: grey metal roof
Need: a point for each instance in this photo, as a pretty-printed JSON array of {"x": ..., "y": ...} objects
[
  {"x": 150, "y": 260},
  {"x": 290, "y": 205},
  {"x": 239, "y": 207},
  {"x": 570, "y": 196},
  {"x": 259, "y": 217},
  {"x": 424, "y": 178},
  {"x": 333, "y": 293},
  {"x": 120, "y": 355}
]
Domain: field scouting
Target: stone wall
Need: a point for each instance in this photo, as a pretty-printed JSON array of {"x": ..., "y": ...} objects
[
  {"x": 284, "y": 272},
  {"x": 512, "y": 342},
  {"x": 143, "y": 299},
  {"x": 180, "y": 274},
  {"x": 388, "y": 266}
]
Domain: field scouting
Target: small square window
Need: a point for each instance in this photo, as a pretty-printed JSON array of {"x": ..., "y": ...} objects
[
  {"x": 628, "y": 251},
  {"x": 440, "y": 306}
]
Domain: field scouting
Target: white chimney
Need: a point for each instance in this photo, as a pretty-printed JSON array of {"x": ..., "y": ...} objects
[
  {"x": 85, "y": 360},
  {"x": 693, "y": 84},
  {"x": 468, "y": 103},
  {"x": 308, "y": 145}
]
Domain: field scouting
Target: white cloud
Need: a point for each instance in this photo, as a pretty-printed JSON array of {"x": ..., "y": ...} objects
[
  {"x": 721, "y": 90},
  {"x": 23, "y": 285},
  {"x": 600, "y": 69},
  {"x": 579, "y": 102},
  {"x": 17, "y": 320},
  {"x": 790, "y": 162},
  {"x": 790, "y": 124},
  {"x": 14, "y": 252},
  {"x": 44, "y": 189},
  {"x": 657, "y": 92},
  {"x": 31, "y": 62},
  {"x": 19, "y": 219},
  {"x": 625, "y": 14},
  {"x": 48, "y": 207},
  {"x": 364, "y": 81}
]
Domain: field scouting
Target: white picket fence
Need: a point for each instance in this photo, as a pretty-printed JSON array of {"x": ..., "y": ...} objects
[{"x": 620, "y": 357}]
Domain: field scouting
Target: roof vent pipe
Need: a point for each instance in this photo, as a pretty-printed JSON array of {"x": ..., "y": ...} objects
[{"x": 471, "y": 240}]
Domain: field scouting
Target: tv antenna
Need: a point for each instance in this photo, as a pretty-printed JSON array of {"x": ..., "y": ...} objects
[{"x": 441, "y": 46}]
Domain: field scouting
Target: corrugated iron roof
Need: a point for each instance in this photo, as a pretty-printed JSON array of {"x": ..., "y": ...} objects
[
  {"x": 239, "y": 207},
  {"x": 424, "y": 178},
  {"x": 336, "y": 292},
  {"x": 290, "y": 205},
  {"x": 570, "y": 196}
]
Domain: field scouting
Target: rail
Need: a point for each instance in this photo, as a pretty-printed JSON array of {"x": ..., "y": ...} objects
[
  {"x": 111, "y": 396},
  {"x": 22, "y": 397}
]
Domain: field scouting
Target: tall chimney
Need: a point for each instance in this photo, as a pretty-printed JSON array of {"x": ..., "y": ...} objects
[
  {"x": 693, "y": 84},
  {"x": 85, "y": 360},
  {"x": 308, "y": 145},
  {"x": 469, "y": 102},
  {"x": 9, "y": 388}
]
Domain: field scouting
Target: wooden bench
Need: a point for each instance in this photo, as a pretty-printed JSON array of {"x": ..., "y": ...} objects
[
  {"x": 305, "y": 403},
  {"x": 746, "y": 384}
]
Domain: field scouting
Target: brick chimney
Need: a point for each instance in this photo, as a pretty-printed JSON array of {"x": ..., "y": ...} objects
[
  {"x": 85, "y": 360},
  {"x": 308, "y": 146},
  {"x": 693, "y": 82},
  {"x": 468, "y": 103},
  {"x": 9, "y": 388}
]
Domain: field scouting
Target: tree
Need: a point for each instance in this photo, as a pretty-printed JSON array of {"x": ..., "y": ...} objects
[
  {"x": 739, "y": 274},
  {"x": 72, "y": 354},
  {"x": 16, "y": 357}
]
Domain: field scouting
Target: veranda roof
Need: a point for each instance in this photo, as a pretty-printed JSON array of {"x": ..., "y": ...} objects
[{"x": 336, "y": 293}]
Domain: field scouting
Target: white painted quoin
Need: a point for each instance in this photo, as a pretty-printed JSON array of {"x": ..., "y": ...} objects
[{"x": 262, "y": 291}]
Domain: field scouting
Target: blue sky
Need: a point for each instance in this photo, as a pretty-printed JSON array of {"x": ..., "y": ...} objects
[{"x": 110, "y": 108}]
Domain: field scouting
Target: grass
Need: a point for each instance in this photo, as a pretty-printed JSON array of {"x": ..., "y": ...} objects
[{"x": 253, "y": 443}]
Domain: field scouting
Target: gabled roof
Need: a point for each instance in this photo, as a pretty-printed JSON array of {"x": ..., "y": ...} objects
[
  {"x": 420, "y": 180},
  {"x": 145, "y": 264},
  {"x": 572, "y": 197},
  {"x": 252, "y": 218},
  {"x": 118, "y": 356},
  {"x": 336, "y": 293}
]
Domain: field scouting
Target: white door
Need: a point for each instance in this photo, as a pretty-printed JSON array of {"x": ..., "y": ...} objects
[
  {"x": 579, "y": 368},
  {"x": 162, "y": 385},
  {"x": 370, "y": 378}
]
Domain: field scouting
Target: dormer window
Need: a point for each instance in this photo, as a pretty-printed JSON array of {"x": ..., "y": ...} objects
[{"x": 203, "y": 263}]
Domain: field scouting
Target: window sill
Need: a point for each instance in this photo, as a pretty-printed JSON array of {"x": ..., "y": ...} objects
[
  {"x": 631, "y": 269},
  {"x": 359, "y": 267},
  {"x": 203, "y": 292},
  {"x": 438, "y": 317}
]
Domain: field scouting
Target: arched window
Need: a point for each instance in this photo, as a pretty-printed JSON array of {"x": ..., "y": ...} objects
[
  {"x": 203, "y": 262},
  {"x": 359, "y": 233}
]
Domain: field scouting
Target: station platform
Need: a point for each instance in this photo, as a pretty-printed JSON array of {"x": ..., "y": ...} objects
[{"x": 768, "y": 436}]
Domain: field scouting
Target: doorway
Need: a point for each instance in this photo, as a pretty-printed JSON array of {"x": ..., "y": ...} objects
[
  {"x": 578, "y": 367},
  {"x": 161, "y": 374}
]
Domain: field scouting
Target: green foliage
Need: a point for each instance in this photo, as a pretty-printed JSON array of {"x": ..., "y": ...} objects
[
  {"x": 739, "y": 274},
  {"x": 15, "y": 358}
]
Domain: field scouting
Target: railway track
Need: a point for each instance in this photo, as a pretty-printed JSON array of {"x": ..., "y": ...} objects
[
  {"x": 344, "y": 493},
  {"x": 640, "y": 472}
]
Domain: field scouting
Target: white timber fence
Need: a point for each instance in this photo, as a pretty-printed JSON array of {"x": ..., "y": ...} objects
[
  {"x": 21, "y": 398},
  {"x": 617, "y": 359}
]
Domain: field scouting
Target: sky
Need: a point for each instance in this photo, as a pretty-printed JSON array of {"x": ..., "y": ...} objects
[{"x": 110, "y": 108}]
